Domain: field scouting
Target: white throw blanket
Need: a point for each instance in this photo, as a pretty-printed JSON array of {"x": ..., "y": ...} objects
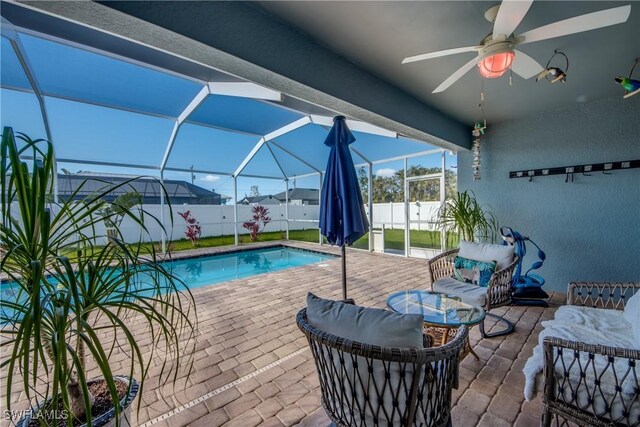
[{"x": 590, "y": 326}]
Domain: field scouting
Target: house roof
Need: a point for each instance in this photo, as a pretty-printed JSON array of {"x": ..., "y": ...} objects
[
  {"x": 150, "y": 188},
  {"x": 300, "y": 194},
  {"x": 263, "y": 200}
]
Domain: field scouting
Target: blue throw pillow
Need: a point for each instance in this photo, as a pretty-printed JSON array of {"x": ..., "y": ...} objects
[{"x": 473, "y": 271}]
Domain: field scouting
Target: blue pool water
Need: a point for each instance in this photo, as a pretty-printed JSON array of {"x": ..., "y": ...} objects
[
  {"x": 209, "y": 270},
  {"x": 215, "y": 269}
]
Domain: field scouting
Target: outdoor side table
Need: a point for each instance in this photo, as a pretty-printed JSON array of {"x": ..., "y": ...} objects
[{"x": 443, "y": 314}]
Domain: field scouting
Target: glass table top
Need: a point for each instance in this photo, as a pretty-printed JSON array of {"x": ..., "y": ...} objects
[{"x": 436, "y": 308}]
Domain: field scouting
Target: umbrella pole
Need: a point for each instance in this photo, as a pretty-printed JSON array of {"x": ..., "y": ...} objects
[{"x": 344, "y": 272}]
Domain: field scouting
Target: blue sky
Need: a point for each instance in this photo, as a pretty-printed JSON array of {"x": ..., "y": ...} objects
[{"x": 84, "y": 131}]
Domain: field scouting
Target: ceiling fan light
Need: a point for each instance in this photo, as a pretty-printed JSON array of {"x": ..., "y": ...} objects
[{"x": 495, "y": 65}]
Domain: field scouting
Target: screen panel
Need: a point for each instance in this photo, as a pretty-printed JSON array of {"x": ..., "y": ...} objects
[
  {"x": 307, "y": 143},
  {"x": 375, "y": 147},
  {"x": 242, "y": 114},
  {"x": 12, "y": 73},
  {"x": 88, "y": 132},
  {"x": 75, "y": 73},
  {"x": 210, "y": 149},
  {"x": 21, "y": 111}
]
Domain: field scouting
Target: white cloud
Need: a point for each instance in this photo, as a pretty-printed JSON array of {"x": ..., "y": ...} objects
[
  {"x": 210, "y": 178},
  {"x": 386, "y": 172}
]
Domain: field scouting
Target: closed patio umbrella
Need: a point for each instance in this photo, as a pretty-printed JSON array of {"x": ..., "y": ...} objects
[{"x": 343, "y": 219}]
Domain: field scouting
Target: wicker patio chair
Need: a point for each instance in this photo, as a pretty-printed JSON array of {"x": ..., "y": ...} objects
[
  {"x": 368, "y": 385},
  {"x": 499, "y": 291},
  {"x": 579, "y": 390}
]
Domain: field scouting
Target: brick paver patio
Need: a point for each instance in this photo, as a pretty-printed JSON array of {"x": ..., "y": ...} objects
[{"x": 252, "y": 366}]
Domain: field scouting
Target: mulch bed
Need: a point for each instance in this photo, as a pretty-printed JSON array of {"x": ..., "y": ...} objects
[{"x": 102, "y": 404}]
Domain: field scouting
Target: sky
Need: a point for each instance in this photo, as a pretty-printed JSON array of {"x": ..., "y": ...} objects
[{"x": 83, "y": 131}]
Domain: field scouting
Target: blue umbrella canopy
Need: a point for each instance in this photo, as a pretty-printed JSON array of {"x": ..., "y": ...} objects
[{"x": 343, "y": 219}]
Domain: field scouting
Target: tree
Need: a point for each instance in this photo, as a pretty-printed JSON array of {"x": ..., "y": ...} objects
[
  {"x": 363, "y": 181},
  {"x": 388, "y": 189},
  {"x": 193, "y": 230},
  {"x": 258, "y": 221}
]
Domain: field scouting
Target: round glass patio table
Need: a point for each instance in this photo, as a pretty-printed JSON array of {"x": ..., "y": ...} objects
[{"x": 442, "y": 313}]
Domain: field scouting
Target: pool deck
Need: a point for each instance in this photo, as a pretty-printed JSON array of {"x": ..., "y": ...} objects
[{"x": 253, "y": 367}]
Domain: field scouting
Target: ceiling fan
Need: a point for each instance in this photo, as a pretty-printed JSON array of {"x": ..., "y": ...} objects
[{"x": 497, "y": 53}]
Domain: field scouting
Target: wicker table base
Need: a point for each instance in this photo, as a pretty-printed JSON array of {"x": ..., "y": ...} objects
[{"x": 442, "y": 335}]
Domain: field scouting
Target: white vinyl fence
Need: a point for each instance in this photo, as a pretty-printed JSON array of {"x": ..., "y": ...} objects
[
  {"x": 392, "y": 214},
  {"x": 218, "y": 220}
]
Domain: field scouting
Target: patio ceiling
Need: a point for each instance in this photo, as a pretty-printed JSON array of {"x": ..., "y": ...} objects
[
  {"x": 377, "y": 35},
  {"x": 96, "y": 105}
]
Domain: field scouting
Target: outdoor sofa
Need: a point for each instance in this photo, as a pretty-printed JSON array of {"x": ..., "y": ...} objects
[{"x": 590, "y": 354}]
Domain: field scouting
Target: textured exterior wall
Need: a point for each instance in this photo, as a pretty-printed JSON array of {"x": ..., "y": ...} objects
[{"x": 590, "y": 229}]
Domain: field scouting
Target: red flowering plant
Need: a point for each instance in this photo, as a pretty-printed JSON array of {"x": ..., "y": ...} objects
[
  {"x": 193, "y": 230},
  {"x": 259, "y": 220}
]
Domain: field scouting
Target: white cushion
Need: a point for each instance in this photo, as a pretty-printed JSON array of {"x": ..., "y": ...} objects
[
  {"x": 602, "y": 326},
  {"x": 501, "y": 254},
  {"x": 632, "y": 315},
  {"x": 471, "y": 294}
]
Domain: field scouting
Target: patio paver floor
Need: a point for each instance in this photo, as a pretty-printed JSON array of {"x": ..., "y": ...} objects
[{"x": 252, "y": 365}]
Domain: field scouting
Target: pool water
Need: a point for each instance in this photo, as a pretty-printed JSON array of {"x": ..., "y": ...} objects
[
  {"x": 219, "y": 268},
  {"x": 215, "y": 269}
]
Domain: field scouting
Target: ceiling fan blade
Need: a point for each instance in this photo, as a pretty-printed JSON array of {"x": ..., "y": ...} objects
[
  {"x": 525, "y": 66},
  {"x": 578, "y": 24},
  {"x": 510, "y": 14},
  {"x": 441, "y": 53},
  {"x": 455, "y": 76}
]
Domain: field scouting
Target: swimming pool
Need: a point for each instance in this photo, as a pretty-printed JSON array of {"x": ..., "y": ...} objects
[
  {"x": 207, "y": 270},
  {"x": 215, "y": 269}
]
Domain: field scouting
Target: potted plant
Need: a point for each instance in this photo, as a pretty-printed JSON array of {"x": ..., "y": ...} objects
[
  {"x": 69, "y": 312},
  {"x": 115, "y": 212},
  {"x": 464, "y": 215}
]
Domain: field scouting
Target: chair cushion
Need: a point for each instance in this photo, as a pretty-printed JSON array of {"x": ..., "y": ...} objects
[
  {"x": 472, "y": 271},
  {"x": 367, "y": 391},
  {"x": 632, "y": 315},
  {"x": 471, "y": 294},
  {"x": 501, "y": 254},
  {"x": 373, "y": 326}
]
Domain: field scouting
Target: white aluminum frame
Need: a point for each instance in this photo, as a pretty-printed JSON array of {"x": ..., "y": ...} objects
[
  {"x": 18, "y": 49},
  {"x": 242, "y": 89}
]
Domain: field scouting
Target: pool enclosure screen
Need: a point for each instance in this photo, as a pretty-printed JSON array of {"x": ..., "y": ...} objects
[{"x": 107, "y": 112}]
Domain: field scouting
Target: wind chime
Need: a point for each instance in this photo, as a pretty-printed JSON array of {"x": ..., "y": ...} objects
[{"x": 478, "y": 130}]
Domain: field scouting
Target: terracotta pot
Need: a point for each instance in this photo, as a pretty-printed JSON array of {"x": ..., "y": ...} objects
[{"x": 108, "y": 418}]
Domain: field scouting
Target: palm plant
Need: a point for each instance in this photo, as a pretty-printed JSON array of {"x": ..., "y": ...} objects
[
  {"x": 70, "y": 312},
  {"x": 115, "y": 212},
  {"x": 464, "y": 215}
]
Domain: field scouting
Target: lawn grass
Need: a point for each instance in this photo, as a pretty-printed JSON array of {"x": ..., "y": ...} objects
[
  {"x": 394, "y": 240},
  {"x": 310, "y": 235}
]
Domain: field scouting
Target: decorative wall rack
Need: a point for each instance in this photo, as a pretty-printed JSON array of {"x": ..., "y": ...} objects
[{"x": 569, "y": 171}]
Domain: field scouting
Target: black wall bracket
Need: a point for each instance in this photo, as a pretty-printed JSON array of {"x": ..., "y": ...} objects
[{"x": 569, "y": 171}]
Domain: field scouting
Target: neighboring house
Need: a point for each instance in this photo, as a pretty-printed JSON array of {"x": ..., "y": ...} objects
[
  {"x": 179, "y": 192},
  {"x": 300, "y": 196},
  {"x": 260, "y": 200}
]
